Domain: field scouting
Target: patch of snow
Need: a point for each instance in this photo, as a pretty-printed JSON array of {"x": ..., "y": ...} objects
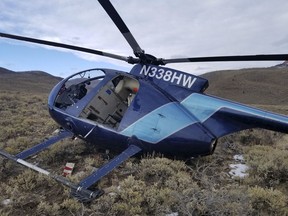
[
  {"x": 239, "y": 158},
  {"x": 238, "y": 170},
  {"x": 6, "y": 202}
]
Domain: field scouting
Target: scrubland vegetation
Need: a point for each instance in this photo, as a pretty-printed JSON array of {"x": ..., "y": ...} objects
[{"x": 151, "y": 185}]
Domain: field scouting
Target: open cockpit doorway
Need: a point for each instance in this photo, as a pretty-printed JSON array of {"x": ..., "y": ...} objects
[{"x": 111, "y": 102}]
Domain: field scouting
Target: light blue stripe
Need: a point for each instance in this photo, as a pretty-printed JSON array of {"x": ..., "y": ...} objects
[
  {"x": 171, "y": 118},
  {"x": 160, "y": 123},
  {"x": 203, "y": 107}
]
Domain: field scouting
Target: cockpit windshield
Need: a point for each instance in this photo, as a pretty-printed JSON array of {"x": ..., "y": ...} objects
[{"x": 77, "y": 86}]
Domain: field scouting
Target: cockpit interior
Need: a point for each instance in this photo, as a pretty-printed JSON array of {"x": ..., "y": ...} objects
[{"x": 108, "y": 104}]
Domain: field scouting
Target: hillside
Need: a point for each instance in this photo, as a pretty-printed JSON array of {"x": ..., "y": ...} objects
[
  {"x": 266, "y": 86},
  {"x": 30, "y": 81}
]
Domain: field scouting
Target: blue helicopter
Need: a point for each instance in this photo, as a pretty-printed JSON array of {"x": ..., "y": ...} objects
[{"x": 151, "y": 109}]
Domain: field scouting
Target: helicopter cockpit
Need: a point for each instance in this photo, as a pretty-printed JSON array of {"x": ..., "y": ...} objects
[
  {"x": 102, "y": 98},
  {"x": 77, "y": 86}
]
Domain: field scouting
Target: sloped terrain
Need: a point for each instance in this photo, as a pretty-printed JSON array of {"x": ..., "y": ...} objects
[
  {"x": 151, "y": 185},
  {"x": 265, "y": 86},
  {"x": 31, "y": 81}
]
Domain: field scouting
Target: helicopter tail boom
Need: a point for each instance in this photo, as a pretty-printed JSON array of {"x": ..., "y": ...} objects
[{"x": 223, "y": 117}]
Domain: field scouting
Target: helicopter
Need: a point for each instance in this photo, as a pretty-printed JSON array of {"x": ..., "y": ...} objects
[{"x": 152, "y": 108}]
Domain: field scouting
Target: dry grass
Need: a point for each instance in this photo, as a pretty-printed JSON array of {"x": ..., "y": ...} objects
[{"x": 258, "y": 85}]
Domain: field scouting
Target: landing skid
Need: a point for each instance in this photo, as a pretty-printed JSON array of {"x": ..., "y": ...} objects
[
  {"x": 79, "y": 191},
  {"x": 84, "y": 197}
]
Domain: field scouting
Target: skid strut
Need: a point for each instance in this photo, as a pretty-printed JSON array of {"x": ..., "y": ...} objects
[{"x": 80, "y": 191}]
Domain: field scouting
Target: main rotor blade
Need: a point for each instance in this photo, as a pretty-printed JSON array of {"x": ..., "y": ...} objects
[
  {"x": 111, "y": 11},
  {"x": 269, "y": 57},
  {"x": 71, "y": 47}
]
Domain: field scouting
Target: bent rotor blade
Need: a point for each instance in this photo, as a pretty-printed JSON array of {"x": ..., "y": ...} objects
[
  {"x": 269, "y": 57},
  {"x": 67, "y": 46},
  {"x": 111, "y": 11}
]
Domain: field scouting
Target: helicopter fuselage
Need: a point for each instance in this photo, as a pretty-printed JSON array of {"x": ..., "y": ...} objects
[
  {"x": 109, "y": 114},
  {"x": 165, "y": 109}
]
